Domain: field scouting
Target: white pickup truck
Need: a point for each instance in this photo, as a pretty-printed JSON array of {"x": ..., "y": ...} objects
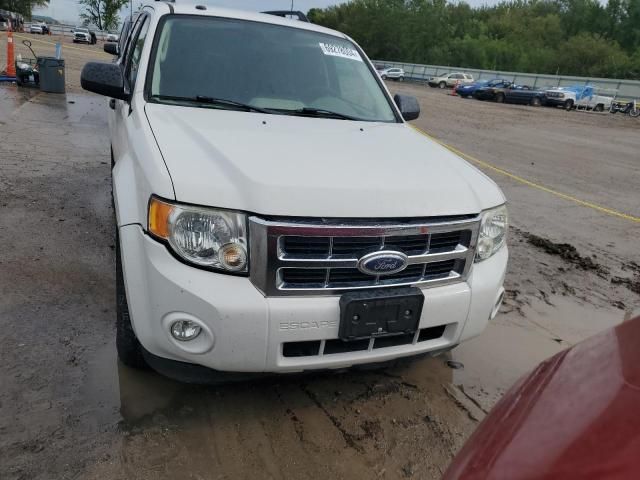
[
  {"x": 274, "y": 210},
  {"x": 577, "y": 96}
]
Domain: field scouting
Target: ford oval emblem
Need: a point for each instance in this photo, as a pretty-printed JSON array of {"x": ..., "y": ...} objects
[{"x": 382, "y": 263}]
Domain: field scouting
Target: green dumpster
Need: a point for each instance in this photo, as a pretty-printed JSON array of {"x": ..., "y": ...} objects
[{"x": 51, "y": 74}]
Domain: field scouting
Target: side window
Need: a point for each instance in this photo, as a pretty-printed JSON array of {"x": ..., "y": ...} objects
[{"x": 133, "y": 60}]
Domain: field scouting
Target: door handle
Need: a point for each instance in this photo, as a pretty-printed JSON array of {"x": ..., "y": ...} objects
[{"x": 112, "y": 104}]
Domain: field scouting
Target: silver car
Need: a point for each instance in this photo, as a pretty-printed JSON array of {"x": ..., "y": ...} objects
[{"x": 392, "y": 73}]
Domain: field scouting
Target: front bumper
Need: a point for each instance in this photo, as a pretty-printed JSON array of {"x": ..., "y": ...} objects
[
  {"x": 244, "y": 331},
  {"x": 554, "y": 101}
]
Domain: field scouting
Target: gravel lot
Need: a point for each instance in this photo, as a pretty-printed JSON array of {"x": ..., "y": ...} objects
[{"x": 69, "y": 410}]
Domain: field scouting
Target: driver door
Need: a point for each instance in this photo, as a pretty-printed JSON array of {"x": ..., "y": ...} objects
[{"x": 120, "y": 110}]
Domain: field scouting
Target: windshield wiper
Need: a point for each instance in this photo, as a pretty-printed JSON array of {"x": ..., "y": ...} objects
[
  {"x": 213, "y": 101},
  {"x": 318, "y": 112}
]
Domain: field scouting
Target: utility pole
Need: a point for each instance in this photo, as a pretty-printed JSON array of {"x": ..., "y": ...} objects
[{"x": 131, "y": 10}]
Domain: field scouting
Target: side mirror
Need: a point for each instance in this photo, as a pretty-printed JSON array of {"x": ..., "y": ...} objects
[
  {"x": 111, "y": 48},
  {"x": 104, "y": 79},
  {"x": 408, "y": 105}
]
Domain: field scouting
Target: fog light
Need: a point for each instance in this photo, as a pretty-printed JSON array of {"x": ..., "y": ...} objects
[
  {"x": 185, "y": 330},
  {"x": 233, "y": 256}
]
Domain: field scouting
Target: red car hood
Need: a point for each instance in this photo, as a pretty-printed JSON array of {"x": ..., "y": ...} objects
[{"x": 575, "y": 416}]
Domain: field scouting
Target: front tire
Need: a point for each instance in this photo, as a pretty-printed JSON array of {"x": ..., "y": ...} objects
[
  {"x": 500, "y": 98},
  {"x": 634, "y": 112},
  {"x": 442, "y": 85},
  {"x": 535, "y": 102},
  {"x": 127, "y": 344},
  {"x": 599, "y": 108},
  {"x": 568, "y": 105},
  {"x": 384, "y": 77},
  {"x": 401, "y": 79}
]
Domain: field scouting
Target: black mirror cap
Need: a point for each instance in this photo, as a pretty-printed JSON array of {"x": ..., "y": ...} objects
[
  {"x": 111, "y": 48},
  {"x": 104, "y": 79},
  {"x": 408, "y": 105}
]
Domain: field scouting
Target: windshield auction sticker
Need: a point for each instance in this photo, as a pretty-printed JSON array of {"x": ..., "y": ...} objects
[{"x": 340, "y": 51}]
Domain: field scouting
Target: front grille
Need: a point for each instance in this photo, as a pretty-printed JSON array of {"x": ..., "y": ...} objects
[
  {"x": 302, "y": 258},
  {"x": 335, "y": 346},
  {"x": 408, "y": 244},
  {"x": 347, "y": 277}
]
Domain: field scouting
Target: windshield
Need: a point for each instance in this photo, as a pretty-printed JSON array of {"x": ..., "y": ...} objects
[
  {"x": 82, "y": 30},
  {"x": 281, "y": 69}
]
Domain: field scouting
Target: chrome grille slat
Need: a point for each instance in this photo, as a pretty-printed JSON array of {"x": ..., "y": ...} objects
[{"x": 446, "y": 257}]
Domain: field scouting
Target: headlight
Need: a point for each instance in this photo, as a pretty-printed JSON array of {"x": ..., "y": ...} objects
[
  {"x": 493, "y": 232},
  {"x": 202, "y": 236}
]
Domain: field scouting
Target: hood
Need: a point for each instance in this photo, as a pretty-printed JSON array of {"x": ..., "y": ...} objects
[{"x": 313, "y": 167}]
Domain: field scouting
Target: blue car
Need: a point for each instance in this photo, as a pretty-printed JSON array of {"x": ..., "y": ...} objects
[{"x": 469, "y": 90}]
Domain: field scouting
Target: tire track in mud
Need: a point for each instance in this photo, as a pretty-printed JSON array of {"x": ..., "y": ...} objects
[{"x": 349, "y": 438}]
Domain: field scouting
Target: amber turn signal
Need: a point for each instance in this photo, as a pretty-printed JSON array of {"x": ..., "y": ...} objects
[{"x": 159, "y": 213}]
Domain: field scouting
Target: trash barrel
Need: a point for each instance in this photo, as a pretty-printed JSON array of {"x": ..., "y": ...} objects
[{"x": 51, "y": 74}]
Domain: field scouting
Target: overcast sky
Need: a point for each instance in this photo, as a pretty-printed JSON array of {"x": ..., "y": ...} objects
[{"x": 68, "y": 10}]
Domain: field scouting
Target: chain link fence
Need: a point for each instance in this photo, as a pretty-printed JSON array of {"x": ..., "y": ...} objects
[{"x": 421, "y": 73}]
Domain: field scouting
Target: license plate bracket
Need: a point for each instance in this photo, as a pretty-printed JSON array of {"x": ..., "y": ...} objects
[{"x": 380, "y": 313}]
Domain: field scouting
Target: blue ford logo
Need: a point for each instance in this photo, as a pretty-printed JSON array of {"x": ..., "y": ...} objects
[{"x": 382, "y": 263}]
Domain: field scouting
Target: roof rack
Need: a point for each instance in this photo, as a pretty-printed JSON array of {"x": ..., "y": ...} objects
[{"x": 288, "y": 14}]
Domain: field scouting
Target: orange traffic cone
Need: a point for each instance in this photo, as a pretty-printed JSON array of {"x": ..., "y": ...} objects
[{"x": 11, "y": 66}]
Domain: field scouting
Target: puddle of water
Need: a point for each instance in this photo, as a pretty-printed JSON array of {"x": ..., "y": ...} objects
[
  {"x": 100, "y": 395},
  {"x": 570, "y": 320},
  {"x": 12, "y": 98},
  {"x": 513, "y": 345}
]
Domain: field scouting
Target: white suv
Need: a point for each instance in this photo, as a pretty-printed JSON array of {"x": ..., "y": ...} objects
[
  {"x": 450, "y": 80},
  {"x": 262, "y": 225},
  {"x": 81, "y": 35}
]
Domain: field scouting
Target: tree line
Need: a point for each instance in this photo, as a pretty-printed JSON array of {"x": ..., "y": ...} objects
[
  {"x": 23, "y": 7},
  {"x": 566, "y": 37}
]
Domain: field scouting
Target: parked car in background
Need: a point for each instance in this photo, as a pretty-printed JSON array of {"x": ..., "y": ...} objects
[
  {"x": 81, "y": 35},
  {"x": 450, "y": 79},
  {"x": 217, "y": 270},
  {"x": 578, "y": 96},
  {"x": 392, "y": 73},
  {"x": 112, "y": 37},
  {"x": 467, "y": 90},
  {"x": 4, "y": 23},
  {"x": 573, "y": 417},
  {"x": 525, "y": 95},
  {"x": 36, "y": 28},
  {"x": 493, "y": 92}
]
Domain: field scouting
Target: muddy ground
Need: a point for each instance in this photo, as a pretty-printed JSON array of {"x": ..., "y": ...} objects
[{"x": 69, "y": 410}]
